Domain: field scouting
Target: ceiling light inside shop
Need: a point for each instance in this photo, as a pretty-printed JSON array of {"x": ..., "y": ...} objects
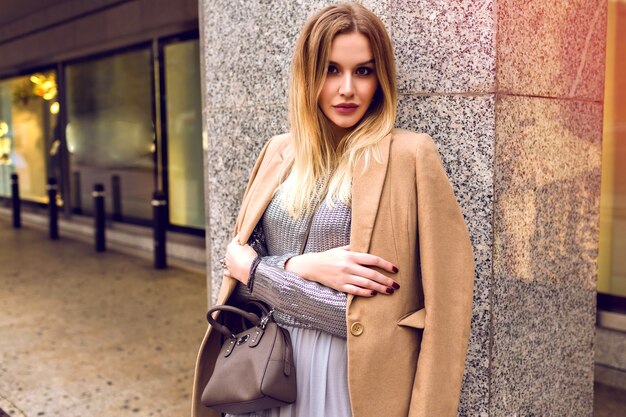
[{"x": 44, "y": 85}]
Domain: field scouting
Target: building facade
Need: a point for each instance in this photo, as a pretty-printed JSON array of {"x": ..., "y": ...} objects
[{"x": 103, "y": 92}]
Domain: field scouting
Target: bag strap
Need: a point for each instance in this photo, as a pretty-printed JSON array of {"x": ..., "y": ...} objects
[{"x": 253, "y": 318}]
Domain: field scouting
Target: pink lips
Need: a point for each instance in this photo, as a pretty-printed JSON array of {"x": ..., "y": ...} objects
[{"x": 346, "y": 108}]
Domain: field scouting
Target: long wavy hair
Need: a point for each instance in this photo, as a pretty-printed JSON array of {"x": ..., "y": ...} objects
[{"x": 318, "y": 166}]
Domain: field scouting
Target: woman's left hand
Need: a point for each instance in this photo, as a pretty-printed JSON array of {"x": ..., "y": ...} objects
[{"x": 239, "y": 260}]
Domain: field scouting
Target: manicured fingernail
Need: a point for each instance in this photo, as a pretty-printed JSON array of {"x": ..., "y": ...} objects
[
  {"x": 396, "y": 285},
  {"x": 389, "y": 290},
  {"x": 395, "y": 269},
  {"x": 374, "y": 292}
]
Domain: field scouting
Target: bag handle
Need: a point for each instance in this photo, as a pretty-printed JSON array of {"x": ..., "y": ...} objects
[{"x": 253, "y": 318}]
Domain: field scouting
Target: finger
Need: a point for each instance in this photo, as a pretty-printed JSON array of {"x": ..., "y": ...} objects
[
  {"x": 361, "y": 292},
  {"x": 373, "y": 275},
  {"x": 370, "y": 285},
  {"x": 373, "y": 260}
]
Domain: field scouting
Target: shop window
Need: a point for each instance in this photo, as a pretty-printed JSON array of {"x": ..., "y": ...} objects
[
  {"x": 29, "y": 135},
  {"x": 110, "y": 133},
  {"x": 184, "y": 134}
]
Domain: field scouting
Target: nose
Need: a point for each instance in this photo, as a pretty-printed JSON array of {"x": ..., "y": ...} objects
[{"x": 346, "y": 88}]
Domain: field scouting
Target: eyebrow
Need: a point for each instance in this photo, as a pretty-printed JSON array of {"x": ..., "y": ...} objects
[{"x": 371, "y": 61}]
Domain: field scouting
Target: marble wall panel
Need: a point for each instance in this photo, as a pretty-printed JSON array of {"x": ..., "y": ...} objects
[
  {"x": 547, "y": 195},
  {"x": 463, "y": 129},
  {"x": 547, "y": 176},
  {"x": 444, "y": 46},
  {"x": 234, "y": 138},
  {"x": 552, "y": 48},
  {"x": 542, "y": 355}
]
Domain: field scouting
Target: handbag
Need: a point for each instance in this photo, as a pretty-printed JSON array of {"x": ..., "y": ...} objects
[{"x": 254, "y": 369}]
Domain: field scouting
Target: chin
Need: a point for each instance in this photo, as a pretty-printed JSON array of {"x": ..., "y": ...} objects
[{"x": 345, "y": 124}]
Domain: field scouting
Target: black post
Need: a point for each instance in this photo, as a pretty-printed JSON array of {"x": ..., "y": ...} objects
[
  {"x": 116, "y": 195},
  {"x": 52, "y": 208},
  {"x": 99, "y": 217},
  {"x": 77, "y": 206},
  {"x": 15, "y": 196},
  {"x": 159, "y": 212}
]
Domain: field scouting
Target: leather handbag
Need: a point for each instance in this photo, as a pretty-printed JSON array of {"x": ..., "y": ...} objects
[{"x": 254, "y": 369}]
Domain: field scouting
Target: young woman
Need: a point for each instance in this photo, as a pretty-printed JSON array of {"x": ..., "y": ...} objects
[{"x": 350, "y": 230}]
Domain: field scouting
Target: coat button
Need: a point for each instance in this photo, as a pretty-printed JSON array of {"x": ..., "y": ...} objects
[{"x": 356, "y": 329}]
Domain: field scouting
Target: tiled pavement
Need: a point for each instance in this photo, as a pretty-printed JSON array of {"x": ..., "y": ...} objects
[{"x": 85, "y": 334}]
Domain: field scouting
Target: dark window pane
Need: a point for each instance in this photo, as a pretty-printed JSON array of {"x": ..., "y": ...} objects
[{"x": 110, "y": 132}]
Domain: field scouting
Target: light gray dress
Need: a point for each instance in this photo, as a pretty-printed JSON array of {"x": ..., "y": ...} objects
[{"x": 313, "y": 314}]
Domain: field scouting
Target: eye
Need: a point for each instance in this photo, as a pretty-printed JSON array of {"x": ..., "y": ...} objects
[
  {"x": 364, "y": 71},
  {"x": 332, "y": 69}
]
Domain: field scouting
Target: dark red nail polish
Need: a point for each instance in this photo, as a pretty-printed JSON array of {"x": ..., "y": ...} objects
[
  {"x": 395, "y": 269},
  {"x": 389, "y": 290},
  {"x": 396, "y": 285},
  {"x": 374, "y": 292}
]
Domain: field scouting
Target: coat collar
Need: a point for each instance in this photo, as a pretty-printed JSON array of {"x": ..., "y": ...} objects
[{"x": 366, "y": 192}]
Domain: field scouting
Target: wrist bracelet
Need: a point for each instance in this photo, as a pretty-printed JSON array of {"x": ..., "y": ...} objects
[{"x": 253, "y": 267}]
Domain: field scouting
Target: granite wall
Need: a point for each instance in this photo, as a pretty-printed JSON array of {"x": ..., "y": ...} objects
[{"x": 512, "y": 94}]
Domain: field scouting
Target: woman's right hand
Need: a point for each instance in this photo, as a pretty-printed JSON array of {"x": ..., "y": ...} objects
[{"x": 345, "y": 271}]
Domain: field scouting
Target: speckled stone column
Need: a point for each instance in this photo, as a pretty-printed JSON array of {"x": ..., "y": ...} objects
[{"x": 511, "y": 93}]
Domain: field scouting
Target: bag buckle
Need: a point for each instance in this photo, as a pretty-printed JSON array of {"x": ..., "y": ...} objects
[{"x": 265, "y": 319}]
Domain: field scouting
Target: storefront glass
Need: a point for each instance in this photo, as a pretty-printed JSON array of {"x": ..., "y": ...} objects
[
  {"x": 612, "y": 256},
  {"x": 184, "y": 134},
  {"x": 110, "y": 133},
  {"x": 29, "y": 140}
]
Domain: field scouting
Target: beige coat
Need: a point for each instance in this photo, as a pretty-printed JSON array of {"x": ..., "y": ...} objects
[{"x": 406, "y": 352}]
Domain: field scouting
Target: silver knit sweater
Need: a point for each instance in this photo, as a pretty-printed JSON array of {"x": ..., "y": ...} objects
[{"x": 296, "y": 301}]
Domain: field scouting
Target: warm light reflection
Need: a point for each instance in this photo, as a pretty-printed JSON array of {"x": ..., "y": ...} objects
[
  {"x": 4, "y": 128},
  {"x": 611, "y": 262},
  {"x": 54, "y": 107},
  {"x": 45, "y": 86},
  {"x": 5, "y": 151}
]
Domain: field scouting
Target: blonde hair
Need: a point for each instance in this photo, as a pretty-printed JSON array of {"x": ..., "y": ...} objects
[{"x": 315, "y": 160}]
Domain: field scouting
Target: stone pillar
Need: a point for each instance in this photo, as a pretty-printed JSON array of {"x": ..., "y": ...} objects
[{"x": 512, "y": 95}]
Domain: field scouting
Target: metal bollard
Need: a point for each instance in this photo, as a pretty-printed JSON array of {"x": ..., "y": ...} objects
[
  {"x": 159, "y": 212},
  {"x": 116, "y": 195},
  {"x": 52, "y": 208},
  {"x": 99, "y": 217},
  {"x": 15, "y": 197},
  {"x": 77, "y": 207}
]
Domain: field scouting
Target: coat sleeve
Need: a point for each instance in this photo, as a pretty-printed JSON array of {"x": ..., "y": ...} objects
[
  {"x": 447, "y": 273},
  {"x": 210, "y": 346}
]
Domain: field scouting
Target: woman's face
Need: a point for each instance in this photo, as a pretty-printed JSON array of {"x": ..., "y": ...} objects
[{"x": 351, "y": 80}]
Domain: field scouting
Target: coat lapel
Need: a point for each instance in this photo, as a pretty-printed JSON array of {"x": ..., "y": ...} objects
[
  {"x": 367, "y": 186},
  {"x": 266, "y": 182}
]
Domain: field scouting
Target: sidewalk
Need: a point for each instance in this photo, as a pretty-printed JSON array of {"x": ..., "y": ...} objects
[{"x": 85, "y": 334}]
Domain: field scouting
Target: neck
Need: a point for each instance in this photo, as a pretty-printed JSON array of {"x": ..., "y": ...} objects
[{"x": 336, "y": 134}]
